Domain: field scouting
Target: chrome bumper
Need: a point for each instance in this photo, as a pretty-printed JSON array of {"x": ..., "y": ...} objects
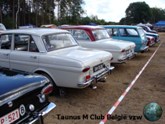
[
  {"x": 129, "y": 56},
  {"x": 123, "y": 60},
  {"x": 96, "y": 78},
  {"x": 146, "y": 48},
  {"x": 132, "y": 56},
  {"x": 42, "y": 113}
]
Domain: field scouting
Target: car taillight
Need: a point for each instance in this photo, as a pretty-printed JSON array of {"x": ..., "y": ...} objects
[
  {"x": 47, "y": 90},
  {"x": 153, "y": 39},
  {"x": 86, "y": 69},
  {"x": 87, "y": 78}
]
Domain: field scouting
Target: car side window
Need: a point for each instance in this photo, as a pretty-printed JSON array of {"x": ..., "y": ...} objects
[
  {"x": 80, "y": 35},
  {"x": 123, "y": 32},
  {"x": 114, "y": 32},
  {"x": 5, "y": 41},
  {"x": 33, "y": 46},
  {"x": 24, "y": 42}
]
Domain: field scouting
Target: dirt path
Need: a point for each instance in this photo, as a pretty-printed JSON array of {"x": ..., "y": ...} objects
[{"x": 148, "y": 88}]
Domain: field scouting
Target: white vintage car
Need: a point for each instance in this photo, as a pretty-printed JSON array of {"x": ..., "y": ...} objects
[
  {"x": 98, "y": 38},
  {"x": 55, "y": 54}
]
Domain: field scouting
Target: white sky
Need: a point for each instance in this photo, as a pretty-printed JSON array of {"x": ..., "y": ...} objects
[{"x": 114, "y": 10}]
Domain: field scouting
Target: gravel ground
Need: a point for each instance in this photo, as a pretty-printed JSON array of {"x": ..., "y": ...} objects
[{"x": 92, "y": 104}]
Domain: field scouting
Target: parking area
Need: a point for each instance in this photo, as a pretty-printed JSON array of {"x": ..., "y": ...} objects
[{"x": 92, "y": 104}]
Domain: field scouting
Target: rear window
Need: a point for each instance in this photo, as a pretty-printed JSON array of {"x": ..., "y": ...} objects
[
  {"x": 58, "y": 41},
  {"x": 100, "y": 34}
]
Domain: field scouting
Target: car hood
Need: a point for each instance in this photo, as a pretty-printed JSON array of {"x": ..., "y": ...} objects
[
  {"x": 119, "y": 43},
  {"x": 14, "y": 82},
  {"x": 81, "y": 55}
]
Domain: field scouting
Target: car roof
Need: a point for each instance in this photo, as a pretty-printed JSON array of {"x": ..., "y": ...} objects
[
  {"x": 127, "y": 26},
  {"x": 81, "y": 27},
  {"x": 48, "y": 25},
  {"x": 2, "y": 27},
  {"x": 36, "y": 31}
]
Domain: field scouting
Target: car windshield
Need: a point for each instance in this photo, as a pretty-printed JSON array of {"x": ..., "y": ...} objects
[
  {"x": 58, "y": 41},
  {"x": 100, "y": 34}
]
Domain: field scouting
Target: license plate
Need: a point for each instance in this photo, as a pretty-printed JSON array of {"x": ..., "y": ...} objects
[
  {"x": 10, "y": 118},
  {"x": 98, "y": 67}
]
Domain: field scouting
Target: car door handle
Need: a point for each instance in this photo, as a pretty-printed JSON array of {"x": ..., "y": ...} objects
[
  {"x": 33, "y": 57},
  {"x": 6, "y": 54}
]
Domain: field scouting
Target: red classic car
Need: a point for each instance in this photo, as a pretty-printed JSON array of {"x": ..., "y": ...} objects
[
  {"x": 97, "y": 37},
  {"x": 81, "y": 28}
]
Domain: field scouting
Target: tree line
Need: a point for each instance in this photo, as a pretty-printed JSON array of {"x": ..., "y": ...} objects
[
  {"x": 140, "y": 12},
  {"x": 14, "y": 13}
]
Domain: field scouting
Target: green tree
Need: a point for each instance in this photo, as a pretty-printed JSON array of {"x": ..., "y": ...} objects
[
  {"x": 85, "y": 20},
  {"x": 138, "y": 12},
  {"x": 34, "y": 12},
  {"x": 70, "y": 11},
  {"x": 7, "y": 12},
  {"x": 157, "y": 14}
]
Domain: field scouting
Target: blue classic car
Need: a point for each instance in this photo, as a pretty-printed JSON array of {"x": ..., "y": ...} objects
[
  {"x": 23, "y": 97},
  {"x": 129, "y": 33}
]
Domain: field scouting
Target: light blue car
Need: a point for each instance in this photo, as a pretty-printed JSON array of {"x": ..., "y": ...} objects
[{"x": 129, "y": 33}]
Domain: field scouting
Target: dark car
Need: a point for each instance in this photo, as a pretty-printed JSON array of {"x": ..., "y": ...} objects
[{"x": 23, "y": 97}]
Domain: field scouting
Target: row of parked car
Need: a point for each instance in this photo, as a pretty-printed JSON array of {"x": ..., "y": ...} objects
[{"x": 73, "y": 57}]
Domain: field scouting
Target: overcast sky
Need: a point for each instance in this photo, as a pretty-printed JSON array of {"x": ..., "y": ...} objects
[{"x": 114, "y": 10}]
